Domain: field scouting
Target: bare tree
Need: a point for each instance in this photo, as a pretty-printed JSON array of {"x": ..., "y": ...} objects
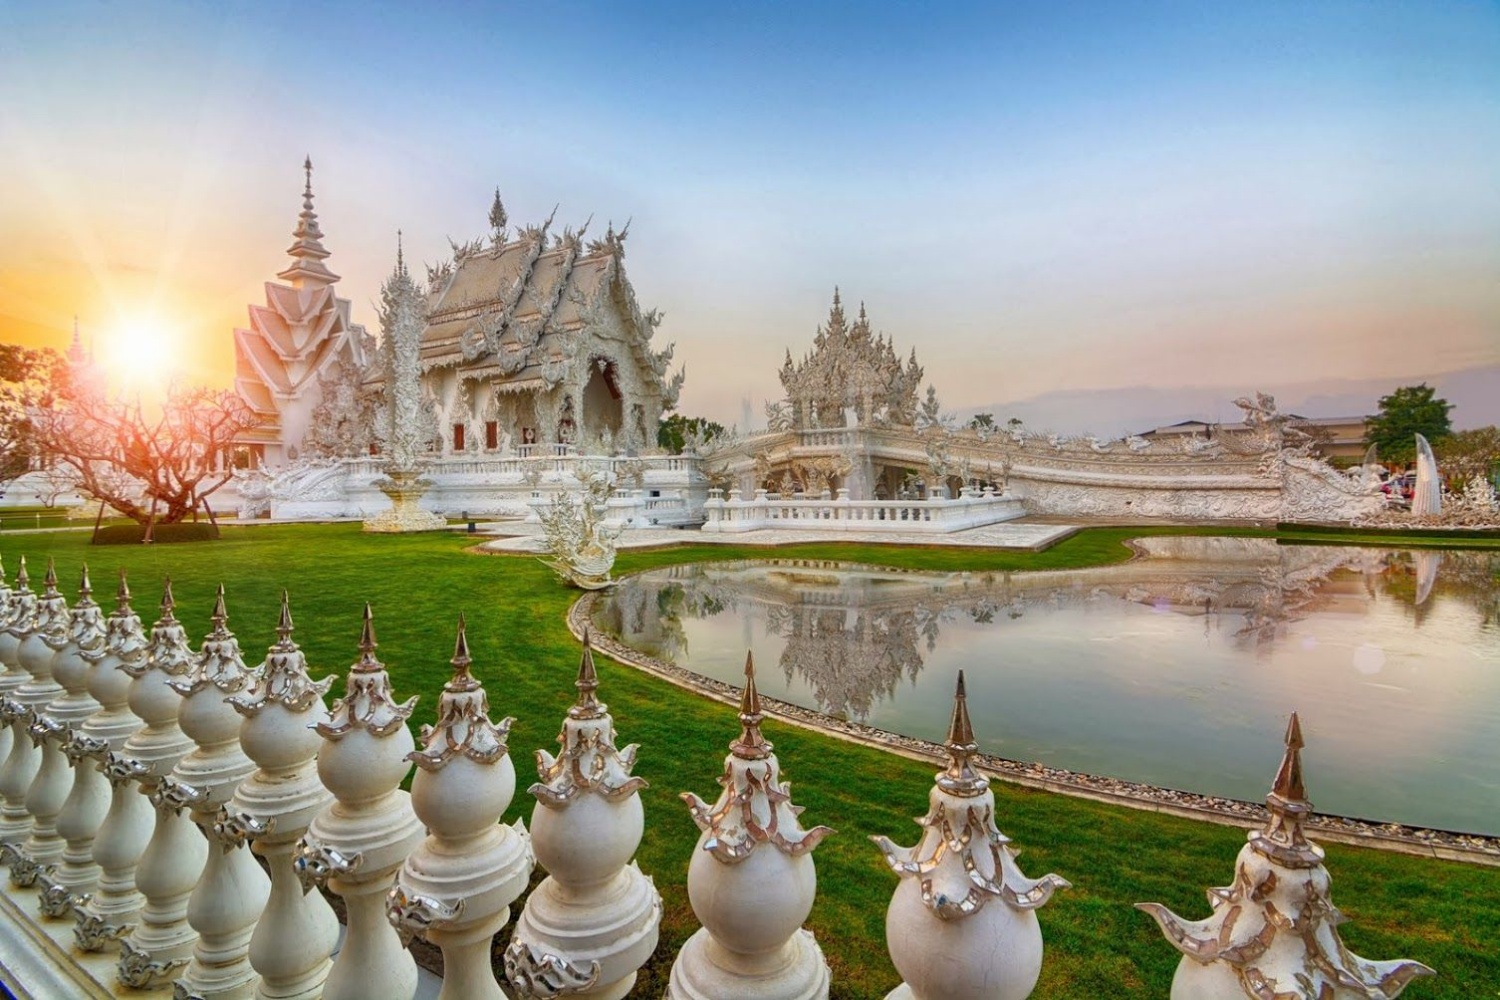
[
  {"x": 156, "y": 466},
  {"x": 29, "y": 379}
]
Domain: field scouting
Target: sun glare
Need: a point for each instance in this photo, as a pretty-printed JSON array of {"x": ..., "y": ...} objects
[{"x": 140, "y": 352}]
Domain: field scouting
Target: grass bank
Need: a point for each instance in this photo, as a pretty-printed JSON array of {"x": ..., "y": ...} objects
[{"x": 1444, "y": 914}]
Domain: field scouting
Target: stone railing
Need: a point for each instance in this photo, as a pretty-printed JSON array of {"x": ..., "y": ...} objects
[
  {"x": 172, "y": 818},
  {"x": 939, "y": 515}
]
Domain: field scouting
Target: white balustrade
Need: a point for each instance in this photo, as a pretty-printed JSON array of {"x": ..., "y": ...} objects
[
  {"x": 962, "y": 922},
  {"x": 109, "y": 912},
  {"x": 356, "y": 845},
  {"x": 161, "y": 942},
  {"x": 456, "y": 888},
  {"x": 936, "y": 516},
  {"x": 593, "y": 921},
  {"x": 87, "y": 800},
  {"x": 44, "y": 800},
  {"x": 295, "y": 936},
  {"x": 751, "y": 882},
  {"x": 23, "y": 759},
  {"x": 232, "y": 891}
]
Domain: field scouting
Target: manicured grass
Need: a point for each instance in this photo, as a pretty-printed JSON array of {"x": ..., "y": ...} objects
[{"x": 1444, "y": 914}]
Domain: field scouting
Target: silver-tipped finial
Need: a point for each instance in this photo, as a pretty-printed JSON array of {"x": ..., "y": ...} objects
[
  {"x": 122, "y": 593},
  {"x": 751, "y": 745},
  {"x": 588, "y": 705},
  {"x": 462, "y": 680},
  {"x": 960, "y": 778}
]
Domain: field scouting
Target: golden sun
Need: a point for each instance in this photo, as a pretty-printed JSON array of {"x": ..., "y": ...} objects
[{"x": 140, "y": 351}]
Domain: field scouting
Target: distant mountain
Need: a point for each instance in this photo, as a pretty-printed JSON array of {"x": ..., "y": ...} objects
[{"x": 1475, "y": 393}]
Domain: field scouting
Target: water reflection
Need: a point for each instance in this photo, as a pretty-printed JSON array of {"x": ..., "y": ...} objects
[{"x": 1158, "y": 670}]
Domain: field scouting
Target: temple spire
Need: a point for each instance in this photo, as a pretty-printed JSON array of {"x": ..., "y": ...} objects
[
  {"x": 1282, "y": 838},
  {"x": 960, "y": 778},
  {"x": 587, "y": 706},
  {"x": 498, "y": 218},
  {"x": 307, "y": 250},
  {"x": 77, "y": 356}
]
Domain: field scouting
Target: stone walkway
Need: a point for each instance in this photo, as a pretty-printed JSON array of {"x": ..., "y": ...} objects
[{"x": 1023, "y": 535}]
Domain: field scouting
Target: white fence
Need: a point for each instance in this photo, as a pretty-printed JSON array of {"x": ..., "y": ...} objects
[{"x": 939, "y": 515}]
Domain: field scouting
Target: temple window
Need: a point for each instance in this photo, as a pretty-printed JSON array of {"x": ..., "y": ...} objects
[
  {"x": 458, "y": 437},
  {"x": 491, "y": 434}
]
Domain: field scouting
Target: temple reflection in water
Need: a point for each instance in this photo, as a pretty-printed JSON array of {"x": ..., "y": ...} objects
[{"x": 1088, "y": 660}]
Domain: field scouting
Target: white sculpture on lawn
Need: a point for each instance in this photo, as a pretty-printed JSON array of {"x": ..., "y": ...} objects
[{"x": 1427, "y": 495}]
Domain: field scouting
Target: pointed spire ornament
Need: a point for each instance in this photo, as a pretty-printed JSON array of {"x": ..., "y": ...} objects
[
  {"x": 1274, "y": 930},
  {"x": 356, "y": 845},
  {"x": 498, "y": 219},
  {"x": 963, "y": 919},
  {"x": 593, "y": 921},
  {"x": 752, "y": 847}
]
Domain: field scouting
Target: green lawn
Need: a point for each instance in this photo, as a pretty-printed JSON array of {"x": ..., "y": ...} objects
[{"x": 1444, "y": 914}]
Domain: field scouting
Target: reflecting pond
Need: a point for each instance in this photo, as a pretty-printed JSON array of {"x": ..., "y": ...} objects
[{"x": 1175, "y": 669}]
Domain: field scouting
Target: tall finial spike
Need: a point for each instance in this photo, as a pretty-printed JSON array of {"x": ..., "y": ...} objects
[
  {"x": 462, "y": 680},
  {"x": 50, "y": 580},
  {"x": 284, "y": 622},
  {"x": 400, "y": 255},
  {"x": 1288, "y": 782},
  {"x": 587, "y": 706},
  {"x": 367, "y": 662},
  {"x": 84, "y": 588},
  {"x": 751, "y": 745},
  {"x": 22, "y": 580},
  {"x": 167, "y": 603},
  {"x": 960, "y": 778},
  {"x": 122, "y": 592},
  {"x": 307, "y": 171},
  {"x": 220, "y": 613},
  {"x": 498, "y": 218}
]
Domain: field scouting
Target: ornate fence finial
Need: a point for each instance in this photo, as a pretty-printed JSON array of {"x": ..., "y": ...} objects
[
  {"x": 751, "y": 745},
  {"x": 1274, "y": 931}
]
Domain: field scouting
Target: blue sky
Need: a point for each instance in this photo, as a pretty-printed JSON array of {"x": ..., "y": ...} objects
[{"x": 1038, "y": 197}]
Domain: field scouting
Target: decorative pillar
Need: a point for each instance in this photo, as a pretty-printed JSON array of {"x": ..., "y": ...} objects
[
  {"x": 357, "y": 844},
  {"x": 161, "y": 942},
  {"x": 232, "y": 891},
  {"x": 963, "y": 920},
  {"x": 298, "y": 931},
  {"x": 455, "y": 890},
  {"x": 593, "y": 921},
  {"x": 403, "y": 314},
  {"x": 110, "y": 912},
  {"x": 49, "y": 789},
  {"x": 751, "y": 882},
  {"x": 21, "y": 763},
  {"x": 87, "y": 800},
  {"x": 1274, "y": 931}
]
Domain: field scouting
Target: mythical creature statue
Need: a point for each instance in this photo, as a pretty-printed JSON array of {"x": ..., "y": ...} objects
[{"x": 580, "y": 546}]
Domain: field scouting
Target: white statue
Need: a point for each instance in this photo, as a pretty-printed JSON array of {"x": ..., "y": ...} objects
[
  {"x": 1427, "y": 498},
  {"x": 581, "y": 547}
]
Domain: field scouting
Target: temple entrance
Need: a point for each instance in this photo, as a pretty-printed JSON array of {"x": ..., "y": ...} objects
[{"x": 602, "y": 407}]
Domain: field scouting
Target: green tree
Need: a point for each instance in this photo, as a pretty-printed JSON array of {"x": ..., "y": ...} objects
[
  {"x": 672, "y": 433},
  {"x": 1410, "y": 410}
]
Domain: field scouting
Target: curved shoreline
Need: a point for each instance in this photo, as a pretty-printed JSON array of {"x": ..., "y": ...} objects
[{"x": 1439, "y": 844}]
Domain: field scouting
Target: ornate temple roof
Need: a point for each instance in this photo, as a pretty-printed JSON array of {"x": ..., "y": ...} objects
[
  {"x": 510, "y": 311},
  {"x": 850, "y": 367}
]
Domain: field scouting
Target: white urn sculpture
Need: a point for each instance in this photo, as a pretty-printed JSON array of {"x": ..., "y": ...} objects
[
  {"x": 87, "y": 800},
  {"x": 43, "y": 849},
  {"x": 455, "y": 889},
  {"x": 356, "y": 845},
  {"x": 109, "y": 912},
  {"x": 751, "y": 882},
  {"x": 593, "y": 921},
  {"x": 298, "y": 931},
  {"x": 161, "y": 942},
  {"x": 1274, "y": 931},
  {"x": 962, "y": 924},
  {"x": 232, "y": 891},
  {"x": 22, "y": 759}
]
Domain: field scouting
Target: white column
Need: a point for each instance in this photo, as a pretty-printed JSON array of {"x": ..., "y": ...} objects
[
  {"x": 751, "y": 882},
  {"x": 357, "y": 844},
  {"x": 49, "y": 789},
  {"x": 593, "y": 921},
  {"x": 22, "y": 759},
  {"x": 232, "y": 892},
  {"x": 298, "y": 931},
  {"x": 962, "y": 922},
  {"x": 456, "y": 888},
  {"x": 110, "y": 911},
  {"x": 160, "y": 943}
]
